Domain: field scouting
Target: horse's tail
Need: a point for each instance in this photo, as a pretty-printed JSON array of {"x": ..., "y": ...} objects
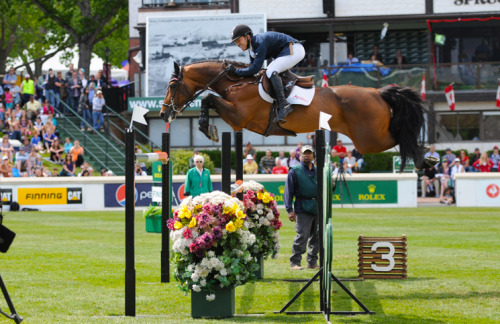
[{"x": 407, "y": 122}]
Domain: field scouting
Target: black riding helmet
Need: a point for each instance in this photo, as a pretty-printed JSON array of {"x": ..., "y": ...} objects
[{"x": 240, "y": 30}]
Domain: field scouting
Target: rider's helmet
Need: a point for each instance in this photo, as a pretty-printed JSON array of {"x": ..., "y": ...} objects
[{"x": 240, "y": 30}]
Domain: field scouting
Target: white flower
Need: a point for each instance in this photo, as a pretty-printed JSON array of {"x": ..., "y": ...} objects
[
  {"x": 252, "y": 185},
  {"x": 223, "y": 272},
  {"x": 270, "y": 215},
  {"x": 203, "y": 282},
  {"x": 195, "y": 277},
  {"x": 260, "y": 206},
  {"x": 211, "y": 297},
  {"x": 190, "y": 267},
  {"x": 196, "y": 288},
  {"x": 211, "y": 254}
]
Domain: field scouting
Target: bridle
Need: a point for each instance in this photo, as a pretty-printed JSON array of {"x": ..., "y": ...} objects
[{"x": 178, "y": 109}]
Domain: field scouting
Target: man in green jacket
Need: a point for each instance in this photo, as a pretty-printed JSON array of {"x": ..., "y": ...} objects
[{"x": 197, "y": 179}]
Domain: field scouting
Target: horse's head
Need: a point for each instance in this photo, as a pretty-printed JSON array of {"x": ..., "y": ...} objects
[{"x": 177, "y": 96}]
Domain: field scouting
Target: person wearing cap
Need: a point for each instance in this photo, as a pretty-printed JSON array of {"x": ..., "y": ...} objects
[
  {"x": 432, "y": 153},
  {"x": 97, "y": 104},
  {"x": 340, "y": 151},
  {"x": 27, "y": 88},
  {"x": 250, "y": 166},
  {"x": 197, "y": 179},
  {"x": 250, "y": 150},
  {"x": 495, "y": 158},
  {"x": 301, "y": 185},
  {"x": 6, "y": 167},
  {"x": 450, "y": 157},
  {"x": 267, "y": 163},
  {"x": 456, "y": 168},
  {"x": 21, "y": 158}
]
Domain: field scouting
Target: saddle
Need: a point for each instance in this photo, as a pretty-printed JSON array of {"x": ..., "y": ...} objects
[{"x": 289, "y": 80}]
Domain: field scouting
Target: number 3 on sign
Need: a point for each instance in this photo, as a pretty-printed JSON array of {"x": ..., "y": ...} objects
[{"x": 385, "y": 256}]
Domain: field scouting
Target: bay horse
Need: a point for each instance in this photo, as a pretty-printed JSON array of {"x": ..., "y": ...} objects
[{"x": 374, "y": 119}]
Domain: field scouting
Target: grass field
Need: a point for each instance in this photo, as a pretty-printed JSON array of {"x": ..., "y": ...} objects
[{"x": 69, "y": 268}]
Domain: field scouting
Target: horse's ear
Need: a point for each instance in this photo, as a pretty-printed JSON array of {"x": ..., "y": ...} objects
[{"x": 177, "y": 68}]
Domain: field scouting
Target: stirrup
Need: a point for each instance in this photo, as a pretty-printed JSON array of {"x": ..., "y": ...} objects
[{"x": 282, "y": 113}]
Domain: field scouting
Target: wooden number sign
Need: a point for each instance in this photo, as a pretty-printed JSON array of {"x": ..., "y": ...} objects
[{"x": 382, "y": 257}]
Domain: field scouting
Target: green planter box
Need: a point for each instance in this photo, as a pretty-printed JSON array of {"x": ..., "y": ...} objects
[
  {"x": 153, "y": 224},
  {"x": 221, "y": 306},
  {"x": 259, "y": 274}
]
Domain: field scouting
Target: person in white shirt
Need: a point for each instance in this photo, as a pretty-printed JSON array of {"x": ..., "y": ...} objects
[{"x": 97, "y": 104}]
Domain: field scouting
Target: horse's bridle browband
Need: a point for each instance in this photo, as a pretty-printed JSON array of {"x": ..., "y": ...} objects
[{"x": 195, "y": 95}]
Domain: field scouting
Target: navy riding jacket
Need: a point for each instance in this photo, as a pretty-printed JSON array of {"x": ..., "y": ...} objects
[{"x": 266, "y": 46}]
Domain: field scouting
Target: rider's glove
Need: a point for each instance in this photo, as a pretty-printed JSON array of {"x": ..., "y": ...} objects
[{"x": 231, "y": 69}]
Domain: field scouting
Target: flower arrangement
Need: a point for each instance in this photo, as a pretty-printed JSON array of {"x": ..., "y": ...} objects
[
  {"x": 263, "y": 219},
  {"x": 211, "y": 243}
]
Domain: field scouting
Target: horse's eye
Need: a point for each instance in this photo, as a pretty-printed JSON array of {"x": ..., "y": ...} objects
[{"x": 173, "y": 86}]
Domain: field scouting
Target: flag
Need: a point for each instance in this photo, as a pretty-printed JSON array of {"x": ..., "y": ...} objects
[
  {"x": 323, "y": 120},
  {"x": 422, "y": 87},
  {"x": 125, "y": 65},
  {"x": 498, "y": 95},
  {"x": 138, "y": 115},
  {"x": 324, "y": 83},
  {"x": 384, "y": 31},
  {"x": 450, "y": 96}
]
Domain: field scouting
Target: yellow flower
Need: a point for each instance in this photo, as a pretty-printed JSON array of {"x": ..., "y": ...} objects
[
  {"x": 267, "y": 198},
  {"x": 259, "y": 195},
  {"x": 184, "y": 212},
  {"x": 177, "y": 225},
  {"x": 240, "y": 214},
  {"x": 227, "y": 210},
  {"x": 192, "y": 223},
  {"x": 235, "y": 208},
  {"x": 230, "y": 227},
  {"x": 239, "y": 223}
]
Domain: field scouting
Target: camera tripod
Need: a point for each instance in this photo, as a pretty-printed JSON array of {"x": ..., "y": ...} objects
[
  {"x": 340, "y": 178},
  {"x": 14, "y": 315}
]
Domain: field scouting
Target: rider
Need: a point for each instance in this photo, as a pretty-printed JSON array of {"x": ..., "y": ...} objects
[{"x": 285, "y": 50}]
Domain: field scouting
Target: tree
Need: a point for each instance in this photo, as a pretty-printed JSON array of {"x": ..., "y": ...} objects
[
  {"x": 38, "y": 39},
  {"x": 10, "y": 16},
  {"x": 86, "y": 21}
]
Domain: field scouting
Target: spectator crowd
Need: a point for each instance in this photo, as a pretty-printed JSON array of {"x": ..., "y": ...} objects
[{"x": 29, "y": 111}]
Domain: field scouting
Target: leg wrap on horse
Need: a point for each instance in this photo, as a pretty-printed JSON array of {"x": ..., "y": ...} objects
[{"x": 283, "y": 107}]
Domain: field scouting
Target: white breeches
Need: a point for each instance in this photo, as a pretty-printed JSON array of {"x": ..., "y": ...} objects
[{"x": 283, "y": 63}]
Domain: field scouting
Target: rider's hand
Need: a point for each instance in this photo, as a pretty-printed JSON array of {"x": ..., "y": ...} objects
[
  {"x": 292, "y": 217},
  {"x": 231, "y": 69}
]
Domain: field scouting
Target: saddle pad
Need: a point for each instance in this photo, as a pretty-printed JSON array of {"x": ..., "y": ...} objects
[{"x": 298, "y": 95}]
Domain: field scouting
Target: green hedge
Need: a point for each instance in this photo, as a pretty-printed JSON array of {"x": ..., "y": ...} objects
[{"x": 379, "y": 162}]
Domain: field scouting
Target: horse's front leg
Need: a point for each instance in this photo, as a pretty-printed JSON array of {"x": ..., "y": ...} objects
[{"x": 219, "y": 105}]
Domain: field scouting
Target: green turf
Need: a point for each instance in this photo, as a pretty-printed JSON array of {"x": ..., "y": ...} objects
[{"x": 69, "y": 268}]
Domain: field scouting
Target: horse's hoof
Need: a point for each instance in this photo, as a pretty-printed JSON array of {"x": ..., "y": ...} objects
[
  {"x": 431, "y": 161},
  {"x": 213, "y": 133}
]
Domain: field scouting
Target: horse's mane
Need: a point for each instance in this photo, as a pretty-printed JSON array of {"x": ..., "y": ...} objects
[{"x": 236, "y": 64}]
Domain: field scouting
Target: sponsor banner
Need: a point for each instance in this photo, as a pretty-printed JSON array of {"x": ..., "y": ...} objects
[
  {"x": 396, "y": 164},
  {"x": 49, "y": 196},
  {"x": 488, "y": 192},
  {"x": 155, "y": 103},
  {"x": 114, "y": 194},
  {"x": 157, "y": 171},
  {"x": 6, "y": 196},
  {"x": 367, "y": 192}
]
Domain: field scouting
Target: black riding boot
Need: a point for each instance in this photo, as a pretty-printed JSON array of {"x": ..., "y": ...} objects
[{"x": 284, "y": 108}]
